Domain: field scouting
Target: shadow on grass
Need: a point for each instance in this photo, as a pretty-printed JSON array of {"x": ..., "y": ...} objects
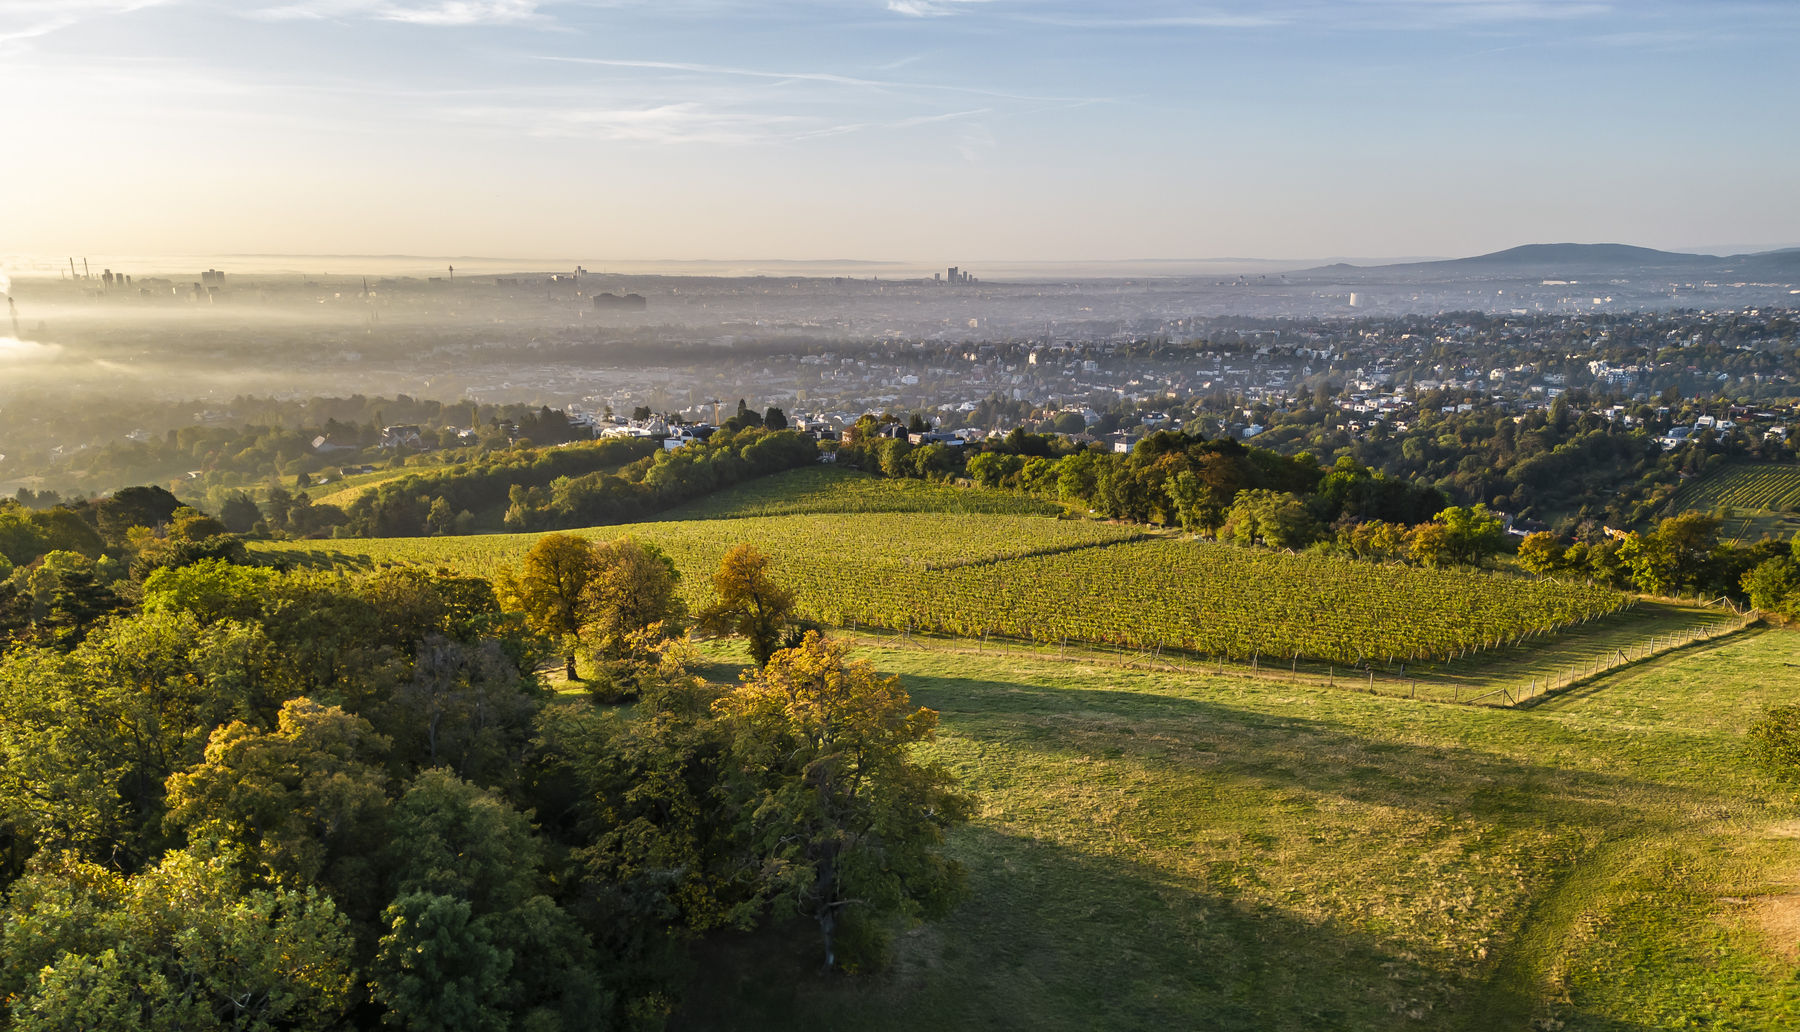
[
  {"x": 1283, "y": 752},
  {"x": 1104, "y": 936},
  {"x": 1050, "y": 939}
]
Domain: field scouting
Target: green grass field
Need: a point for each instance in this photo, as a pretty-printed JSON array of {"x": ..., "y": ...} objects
[
  {"x": 1761, "y": 499},
  {"x": 1172, "y": 851}
]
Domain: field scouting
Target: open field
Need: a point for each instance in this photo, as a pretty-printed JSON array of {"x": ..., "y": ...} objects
[
  {"x": 1160, "y": 850},
  {"x": 1762, "y": 499}
]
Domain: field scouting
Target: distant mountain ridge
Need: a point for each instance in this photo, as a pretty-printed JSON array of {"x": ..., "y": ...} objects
[{"x": 1551, "y": 260}]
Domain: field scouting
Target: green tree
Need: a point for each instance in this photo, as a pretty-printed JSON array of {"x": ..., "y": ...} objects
[
  {"x": 188, "y": 524},
  {"x": 1773, "y": 586},
  {"x": 239, "y": 513},
  {"x": 1676, "y": 557},
  {"x": 632, "y": 590},
  {"x": 843, "y": 822},
  {"x": 306, "y": 802},
  {"x": 21, "y": 540},
  {"x": 466, "y": 707},
  {"x": 1273, "y": 518},
  {"x": 440, "y": 518},
  {"x": 1429, "y": 544},
  {"x": 552, "y": 589},
  {"x": 91, "y": 736},
  {"x": 472, "y": 942},
  {"x": 749, "y": 602},
  {"x": 184, "y": 945},
  {"x": 1189, "y": 496},
  {"x": 1472, "y": 533},
  {"x": 1541, "y": 553}
]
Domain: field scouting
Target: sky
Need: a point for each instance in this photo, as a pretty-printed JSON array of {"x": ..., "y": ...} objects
[{"x": 942, "y": 131}]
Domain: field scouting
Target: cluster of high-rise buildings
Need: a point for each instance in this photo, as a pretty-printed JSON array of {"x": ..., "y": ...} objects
[{"x": 954, "y": 277}]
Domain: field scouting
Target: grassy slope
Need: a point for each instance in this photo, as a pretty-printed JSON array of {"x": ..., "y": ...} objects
[
  {"x": 1178, "y": 851},
  {"x": 342, "y": 491}
]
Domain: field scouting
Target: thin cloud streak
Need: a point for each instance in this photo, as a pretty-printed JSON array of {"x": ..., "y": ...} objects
[
  {"x": 449, "y": 13},
  {"x": 928, "y": 8},
  {"x": 678, "y": 123},
  {"x": 22, "y": 20},
  {"x": 825, "y": 77}
]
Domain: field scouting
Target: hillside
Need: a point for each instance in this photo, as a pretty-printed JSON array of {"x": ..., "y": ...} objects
[
  {"x": 1533, "y": 255},
  {"x": 1530, "y": 261},
  {"x": 1172, "y": 851}
]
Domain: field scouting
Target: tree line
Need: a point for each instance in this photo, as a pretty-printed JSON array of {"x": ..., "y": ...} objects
[
  {"x": 244, "y": 797},
  {"x": 1682, "y": 556},
  {"x": 1218, "y": 487}
]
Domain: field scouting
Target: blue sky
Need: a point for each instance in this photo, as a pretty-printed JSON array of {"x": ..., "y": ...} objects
[{"x": 937, "y": 130}]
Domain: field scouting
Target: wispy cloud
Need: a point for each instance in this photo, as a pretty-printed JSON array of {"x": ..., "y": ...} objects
[
  {"x": 822, "y": 77},
  {"x": 1442, "y": 12},
  {"x": 1257, "y": 14},
  {"x": 28, "y": 19},
  {"x": 1207, "y": 19},
  {"x": 414, "y": 12},
  {"x": 929, "y": 8},
  {"x": 902, "y": 123},
  {"x": 677, "y": 123}
]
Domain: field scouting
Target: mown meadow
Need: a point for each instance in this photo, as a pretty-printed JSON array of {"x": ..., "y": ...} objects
[{"x": 1160, "y": 850}]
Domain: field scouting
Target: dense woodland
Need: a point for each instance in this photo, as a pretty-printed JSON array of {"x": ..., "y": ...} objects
[{"x": 233, "y": 796}]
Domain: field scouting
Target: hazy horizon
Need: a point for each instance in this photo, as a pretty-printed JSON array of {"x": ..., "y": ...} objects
[{"x": 56, "y": 267}]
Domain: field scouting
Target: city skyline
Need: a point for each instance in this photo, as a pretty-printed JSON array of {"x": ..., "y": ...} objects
[{"x": 979, "y": 130}]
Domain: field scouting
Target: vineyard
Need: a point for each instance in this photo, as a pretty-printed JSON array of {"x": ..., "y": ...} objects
[
  {"x": 1049, "y": 580},
  {"x": 1762, "y": 500},
  {"x": 1760, "y": 485},
  {"x": 825, "y": 489}
]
